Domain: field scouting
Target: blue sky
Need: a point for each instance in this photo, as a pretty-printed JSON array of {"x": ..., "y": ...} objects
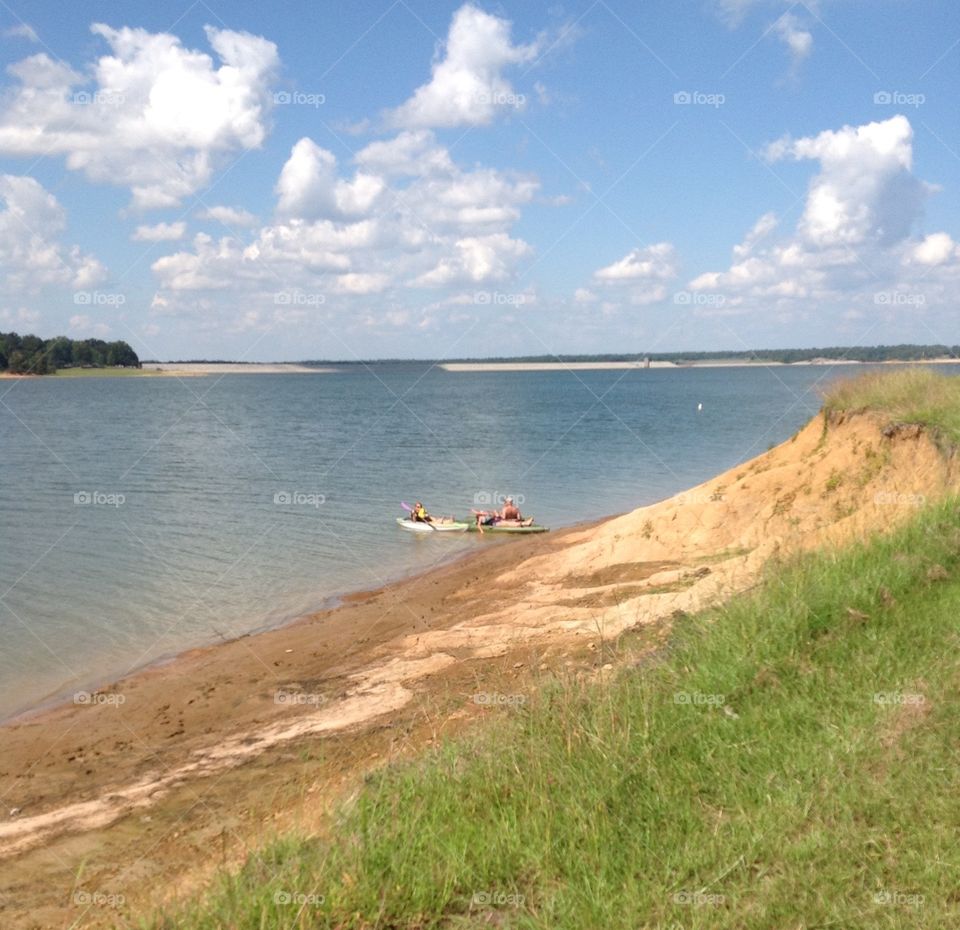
[{"x": 412, "y": 179}]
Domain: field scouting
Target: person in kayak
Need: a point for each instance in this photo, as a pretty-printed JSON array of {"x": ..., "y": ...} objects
[
  {"x": 510, "y": 510},
  {"x": 419, "y": 514}
]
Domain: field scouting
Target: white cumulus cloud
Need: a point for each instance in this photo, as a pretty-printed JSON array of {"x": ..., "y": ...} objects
[
  {"x": 31, "y": 255},
  {"x": 854, "y": 242},
  {"x": 150, "y": 115},
  {"x": 161, "y": 232},
  {"x": 467, "y": 86}
]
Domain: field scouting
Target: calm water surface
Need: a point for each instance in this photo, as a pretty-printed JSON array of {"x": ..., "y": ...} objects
[{"x": 141, "y": 517}]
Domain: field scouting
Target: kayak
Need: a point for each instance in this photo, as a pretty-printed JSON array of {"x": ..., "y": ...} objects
[
  {"x": 417, "y": 527},
  {"x": 508, "y": 527}
]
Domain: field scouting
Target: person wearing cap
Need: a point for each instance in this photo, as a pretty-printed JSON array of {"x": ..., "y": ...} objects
[{"x": 510, "y": 510}]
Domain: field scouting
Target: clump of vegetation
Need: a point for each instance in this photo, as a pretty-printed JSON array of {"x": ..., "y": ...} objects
[
  {"x": 31, "y": 355},
  {"x": 909, "y": 396}
]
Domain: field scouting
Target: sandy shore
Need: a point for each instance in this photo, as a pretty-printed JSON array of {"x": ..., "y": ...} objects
[
  {"x": 223, "y": 368},
  {"x": 149, "y": 785}
]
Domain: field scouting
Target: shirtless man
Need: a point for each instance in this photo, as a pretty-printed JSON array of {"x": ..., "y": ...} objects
[{"x": 510, "y": 510}]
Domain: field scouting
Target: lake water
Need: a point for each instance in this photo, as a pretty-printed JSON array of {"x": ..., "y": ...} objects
[{"x": 144, "y": 516}]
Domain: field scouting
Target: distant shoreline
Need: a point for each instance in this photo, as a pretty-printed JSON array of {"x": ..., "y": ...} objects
[{"x": 706, "y": 363}]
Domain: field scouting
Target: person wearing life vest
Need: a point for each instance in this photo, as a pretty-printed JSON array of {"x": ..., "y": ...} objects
[{"x": 419, "y": 514}]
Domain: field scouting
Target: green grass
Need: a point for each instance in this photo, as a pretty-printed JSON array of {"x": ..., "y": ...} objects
[
  {"x": 105, "y": 373},
  {"x": 912, "y": 395},
  {"x": 791, "y": 761}
]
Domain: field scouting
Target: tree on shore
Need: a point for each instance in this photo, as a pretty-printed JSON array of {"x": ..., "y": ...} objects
[{"x": 32, "y": 355}]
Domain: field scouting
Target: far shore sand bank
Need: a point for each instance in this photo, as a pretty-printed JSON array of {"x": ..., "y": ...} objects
[{"x": 707, "y": 363}]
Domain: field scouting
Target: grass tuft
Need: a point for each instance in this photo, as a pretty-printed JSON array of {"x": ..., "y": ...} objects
[{"x": 912, "y": 395}]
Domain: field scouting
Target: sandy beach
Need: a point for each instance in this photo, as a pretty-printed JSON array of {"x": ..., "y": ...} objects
[
  {"x": 232, "y": 368},
  {"x": 155, "y": 781}
]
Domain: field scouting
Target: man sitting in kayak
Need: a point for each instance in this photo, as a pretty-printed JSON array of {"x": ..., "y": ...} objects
[
  {"x": 509, "y": 514},
  {"x": 510, "y": 510}
]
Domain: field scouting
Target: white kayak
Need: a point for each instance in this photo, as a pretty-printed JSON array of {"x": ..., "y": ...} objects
[{"x": 416, "y": 526}]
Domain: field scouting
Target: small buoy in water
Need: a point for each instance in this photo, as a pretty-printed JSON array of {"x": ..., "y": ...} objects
[{"x": 699, "y": 406}]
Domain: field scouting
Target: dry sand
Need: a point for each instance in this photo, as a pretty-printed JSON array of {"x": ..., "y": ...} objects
[
  {"x": 232, "y": 368},
  {"x": 205, "y": 757}
]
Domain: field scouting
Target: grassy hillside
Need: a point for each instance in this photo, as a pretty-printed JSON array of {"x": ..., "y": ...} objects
[{"x": 791, "y": 762}]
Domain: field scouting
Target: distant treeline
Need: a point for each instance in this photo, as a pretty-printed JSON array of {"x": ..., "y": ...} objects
[
  {"x": 899, "y": 353},
  {"x": 31, "y": 355}
]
